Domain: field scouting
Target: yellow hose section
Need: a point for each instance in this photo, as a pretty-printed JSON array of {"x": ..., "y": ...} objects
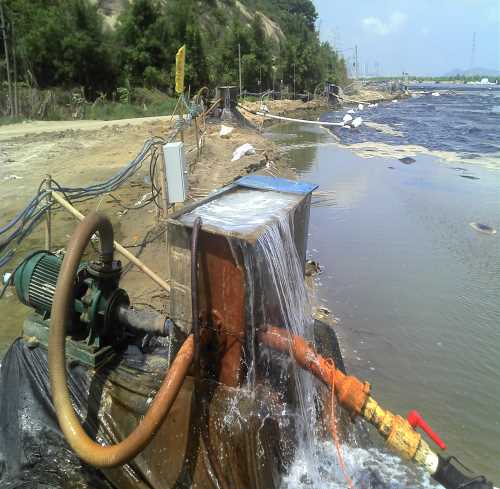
[{"x": 399, "y": 434}]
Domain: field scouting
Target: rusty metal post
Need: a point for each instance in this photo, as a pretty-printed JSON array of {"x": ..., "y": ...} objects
[{"x": 222, "y": 293}]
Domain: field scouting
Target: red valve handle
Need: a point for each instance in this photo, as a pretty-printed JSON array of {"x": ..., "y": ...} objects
[{"x": 416, "y": 421}]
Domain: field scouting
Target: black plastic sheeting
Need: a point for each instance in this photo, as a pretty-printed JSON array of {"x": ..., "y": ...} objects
[{"x": 33, "y": 452}]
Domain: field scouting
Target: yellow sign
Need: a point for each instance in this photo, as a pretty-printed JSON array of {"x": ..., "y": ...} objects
[{"x": 180, "y": 61}]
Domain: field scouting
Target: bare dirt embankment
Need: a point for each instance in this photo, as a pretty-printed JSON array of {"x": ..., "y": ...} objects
[{"x": 82, "y": 153}]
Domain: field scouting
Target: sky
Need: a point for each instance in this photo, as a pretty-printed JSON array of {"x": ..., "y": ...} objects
[{"x": 421, "y": 37}]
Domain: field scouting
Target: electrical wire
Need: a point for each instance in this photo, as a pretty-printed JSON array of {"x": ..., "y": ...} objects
[{"x": 23, "y": 223}]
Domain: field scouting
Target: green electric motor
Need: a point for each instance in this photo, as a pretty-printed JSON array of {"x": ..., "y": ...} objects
[
  {"x": 97, "y": 296},
  {"x": 35, "y": 281},
  {"x": 101, "y": 309}
]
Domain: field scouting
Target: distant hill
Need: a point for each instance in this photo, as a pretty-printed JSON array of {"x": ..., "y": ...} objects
[
  {"x": 111, "y": 9},
  {"x": 487, "y": 72},
  {"x": 106, "y": 45}
]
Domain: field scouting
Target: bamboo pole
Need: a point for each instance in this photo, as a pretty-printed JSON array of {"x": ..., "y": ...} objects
[
  {"x": 197, "y": 136},
  {"x": 118, "y": 247},
  {"x": 212, "y": 107},
  {"x": 48, "y": 216}
]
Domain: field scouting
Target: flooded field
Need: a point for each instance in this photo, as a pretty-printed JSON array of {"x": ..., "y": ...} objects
[{"x": 415, "y": 287}]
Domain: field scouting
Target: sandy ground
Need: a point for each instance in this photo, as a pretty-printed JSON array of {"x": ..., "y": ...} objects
[
  {"x": 85, "y": 152},
  {"x": 80, "y": 153}
]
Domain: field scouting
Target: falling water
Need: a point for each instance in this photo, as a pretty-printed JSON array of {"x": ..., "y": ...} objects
[
  {"x": 282, "y": 272},
  {"x": 277, "y": 295}
]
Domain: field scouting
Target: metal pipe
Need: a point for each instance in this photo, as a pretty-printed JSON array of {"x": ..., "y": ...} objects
[
  {"x": 149, "y": 321},
  {"x": 118, "y": 247},
  {"x": 88, "y": 450},
  {"x": 194, "y": 293}
]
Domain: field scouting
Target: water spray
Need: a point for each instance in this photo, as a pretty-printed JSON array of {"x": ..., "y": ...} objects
[{"x": 354, "y": 396}]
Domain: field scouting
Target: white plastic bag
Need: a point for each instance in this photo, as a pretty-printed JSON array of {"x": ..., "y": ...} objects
[{"x": 245, "y": 149}]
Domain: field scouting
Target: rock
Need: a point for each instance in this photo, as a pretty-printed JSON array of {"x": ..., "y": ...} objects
[
  {"x": 407, "y": 160},
  {"x": 324, "y": 311},
  {"x": 313, "y": 268}
]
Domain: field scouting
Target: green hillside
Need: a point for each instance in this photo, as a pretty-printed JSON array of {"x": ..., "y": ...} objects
[{"x": 107, "y": 44}]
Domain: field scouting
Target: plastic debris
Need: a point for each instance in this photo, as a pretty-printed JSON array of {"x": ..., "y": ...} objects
[
  {"x": 143, "y": 199},
  {"x": 407, "y": 160},
  {"x": 372, "y": 106},
  {"x": 225, "y": 131},
  {"x": 347, "y": 118},
  {"x": 483, "y": 228},
  {"x": 436, "y": 94},
  {"x": 361, "y": 107},
  {"x": 12, "y": 177},
  {"x": 351, "y": 111},
  {"x": 395, "y": 101},
  {"x": 357, "y": 122},
  {"x": 245, "y": 149},
  {"x": 263, "y": 108},
  {"x": 6, "y": 278}
]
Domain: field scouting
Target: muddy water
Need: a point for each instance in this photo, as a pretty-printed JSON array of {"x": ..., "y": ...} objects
[{"x": 416, "y": 288}]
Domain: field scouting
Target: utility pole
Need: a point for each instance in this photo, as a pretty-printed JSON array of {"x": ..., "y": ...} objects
[
  {"x": 6, "y": 50},
  {"x": 239, "y": 63},
  {"x": 14, "y": 61},
  {"x": 356, "y": 62},
  {"x": 294, "y": 81}
]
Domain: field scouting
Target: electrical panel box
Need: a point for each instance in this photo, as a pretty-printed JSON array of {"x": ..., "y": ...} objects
[{"x": 175, "y": 172}]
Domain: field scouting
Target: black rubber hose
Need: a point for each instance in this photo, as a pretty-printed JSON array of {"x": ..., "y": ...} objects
[
  {"x": 451, "y": 477},
  {"x": 194, "y": 293}
]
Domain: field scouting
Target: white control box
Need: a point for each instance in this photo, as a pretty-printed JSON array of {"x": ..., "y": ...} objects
[{"x": 175, "y": 172}]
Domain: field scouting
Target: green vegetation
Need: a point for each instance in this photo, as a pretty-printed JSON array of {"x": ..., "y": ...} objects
[{"x": 67, "y": 44}]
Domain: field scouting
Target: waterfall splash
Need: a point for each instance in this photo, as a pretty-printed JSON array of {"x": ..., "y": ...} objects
[{"x": 277, "y": 295}]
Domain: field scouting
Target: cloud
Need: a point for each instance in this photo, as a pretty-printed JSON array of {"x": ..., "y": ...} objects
[{"x": 383, "y": 28}]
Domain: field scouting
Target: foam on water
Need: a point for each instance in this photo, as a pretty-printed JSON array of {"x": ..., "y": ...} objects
[
  {"x": 243, "y": 210},
  {"x": 369, "y": 468}
]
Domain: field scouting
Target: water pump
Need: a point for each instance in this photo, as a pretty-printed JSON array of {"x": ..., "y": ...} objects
[{"x": 101, "y": 316}]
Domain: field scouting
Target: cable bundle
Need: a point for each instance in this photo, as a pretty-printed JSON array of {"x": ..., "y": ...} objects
[{"x": 15, "y": 231}]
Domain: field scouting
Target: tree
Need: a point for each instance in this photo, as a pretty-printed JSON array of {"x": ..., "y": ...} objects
[{"x": 63, "y": 43}]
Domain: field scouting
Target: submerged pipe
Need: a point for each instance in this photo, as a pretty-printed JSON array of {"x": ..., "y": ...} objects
[
  {"x": 88, "y": 450},
  {"x": 354, "y": 396}
]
